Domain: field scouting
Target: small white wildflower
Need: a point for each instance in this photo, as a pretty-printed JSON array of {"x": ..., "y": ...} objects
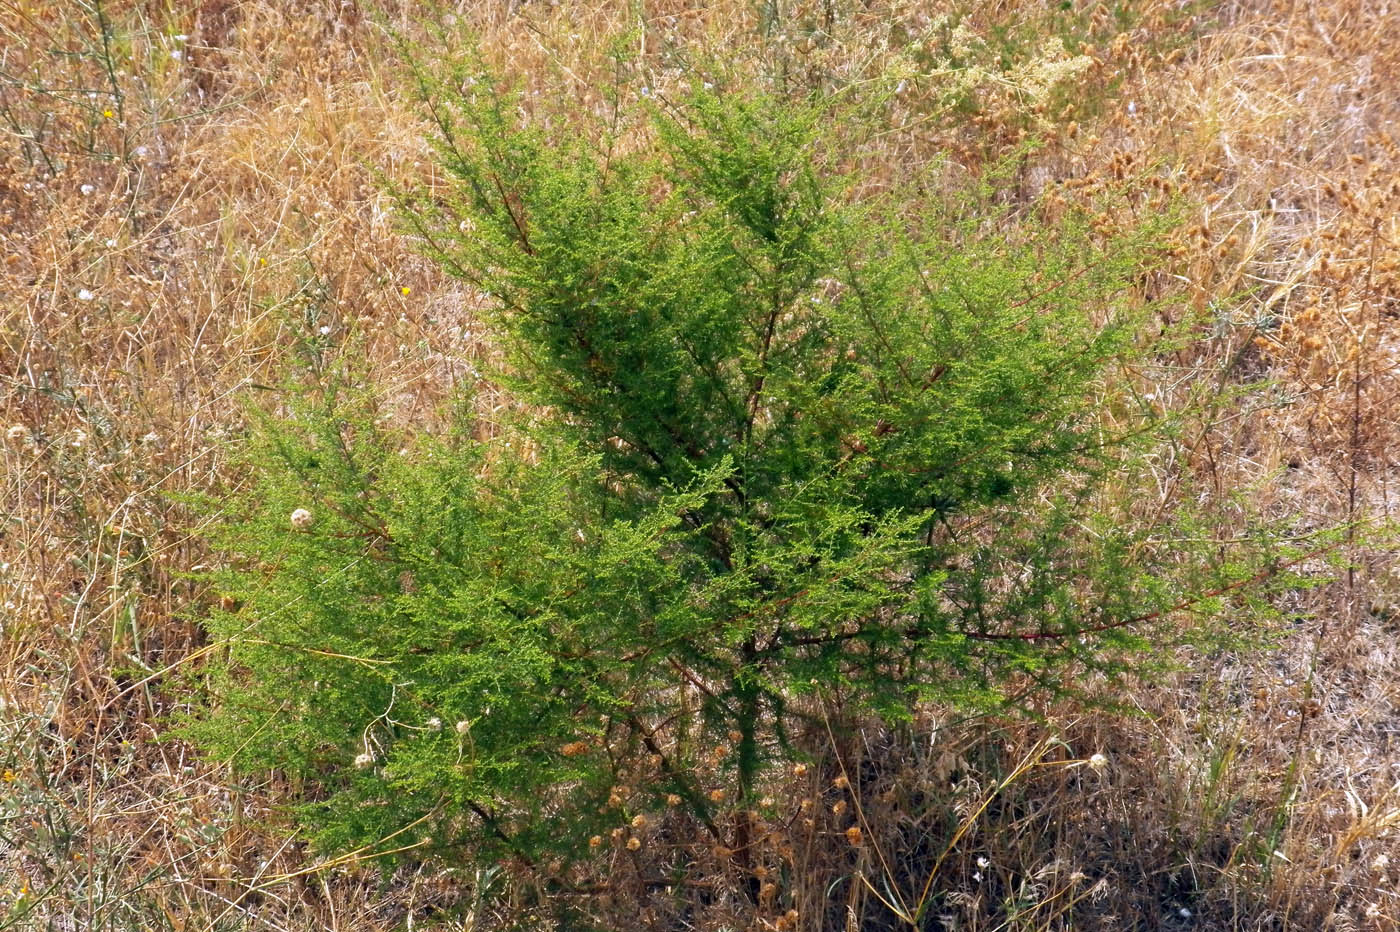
[
  {"x": 85, "y": 295},
  {"x": 463, "y": 727},
  {"x": 325, "y": 331},
  {"x": 151, "y": 438},
  {"x": 1380, "y": 862},
  {"x": 983, "y": 863},
  {"x": 87, "y": 189},
  {"x": 1184, "y": 913},
  {"x": 140, "y": 152},
  {"x": 111, "y": 244},
  {"x": 976, "y": 876},
  {"x": 180, "y": 38},
  {"x": 17, "y": 433},
  {"x": 434, "y": 724},
  {"x": 302, "y": 519},
  {"x": 1098, "y": 762},
  {"x": 79, "y": 438},
  {"x": 176, "y": 54},
  {"x": 364, "y": 761}
]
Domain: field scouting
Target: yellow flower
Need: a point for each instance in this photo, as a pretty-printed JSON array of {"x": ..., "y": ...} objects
[{"x": 405, "y": 290}]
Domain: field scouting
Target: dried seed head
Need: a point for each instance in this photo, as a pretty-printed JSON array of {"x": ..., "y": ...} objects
[
  {"x": 596, "y": 841},
  {"x": 672, "y": 799},
  {"x": 839, "y": 808},
  {"x": 639, "y": 821},
  {"x": 853, "y": 835},
  {"x": 716, "y": 796},
  {"x": 364, "y": 761},
  {"x": 302, "y": 519},
  {"x": 633, "y": 843},
  {"x": 463, "y": 727},
  {"x": 18, "y": 434},
  {"x": 841, "y": 782}
]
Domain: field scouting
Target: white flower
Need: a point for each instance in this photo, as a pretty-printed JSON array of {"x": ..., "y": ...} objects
[
  {"x": 463, "y": 727},
  {"x": 364, "y": 761},
  {"x": 434, "y": 724},
  {"x": 302, "y": 519},
  {"x": 1098, "y": 762},
  {"x": 85, "y": 295},
  {"x": 325, "y": 331},
  {"x": 87, "y": 189}
]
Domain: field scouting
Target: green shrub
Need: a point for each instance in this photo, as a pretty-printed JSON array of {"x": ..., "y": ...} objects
[{"x": 772, "y": 440}]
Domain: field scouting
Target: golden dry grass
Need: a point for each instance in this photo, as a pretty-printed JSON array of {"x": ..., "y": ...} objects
[{"x": 187, "y": 189}]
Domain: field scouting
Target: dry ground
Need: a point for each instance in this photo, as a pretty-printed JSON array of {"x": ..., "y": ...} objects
[{"x": 186, "y": 188}]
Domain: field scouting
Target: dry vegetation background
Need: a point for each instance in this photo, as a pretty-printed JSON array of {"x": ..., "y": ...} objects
[{"x": 186, "y": 189}]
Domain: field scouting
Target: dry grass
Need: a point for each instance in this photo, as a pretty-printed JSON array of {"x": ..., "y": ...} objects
[{"x": 187, "y": 189}]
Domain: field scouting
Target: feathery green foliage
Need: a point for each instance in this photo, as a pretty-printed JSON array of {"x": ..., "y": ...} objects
[{"x": 774, "y": 440}]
